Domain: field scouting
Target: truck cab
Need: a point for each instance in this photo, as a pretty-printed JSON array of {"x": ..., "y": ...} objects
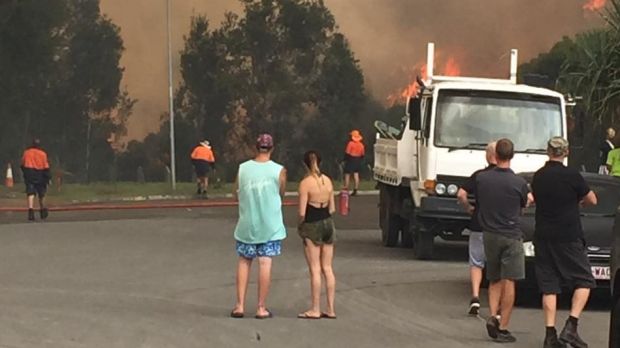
[{"x": 448, "y": 125}]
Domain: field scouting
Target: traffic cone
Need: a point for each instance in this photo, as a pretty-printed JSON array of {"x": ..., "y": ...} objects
[{"x": 8, "y": 182}]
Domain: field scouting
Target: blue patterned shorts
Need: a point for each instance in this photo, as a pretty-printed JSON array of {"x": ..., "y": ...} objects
[{"x": 251, "y": 251}]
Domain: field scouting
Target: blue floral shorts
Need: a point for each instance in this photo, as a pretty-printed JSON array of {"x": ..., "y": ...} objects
[{"x": 251, "y": 251}]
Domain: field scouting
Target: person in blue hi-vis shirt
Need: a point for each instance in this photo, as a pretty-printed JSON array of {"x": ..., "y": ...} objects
[{"x": 260, "y": 188}]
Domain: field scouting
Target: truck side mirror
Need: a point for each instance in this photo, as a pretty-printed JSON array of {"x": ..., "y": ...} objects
[{"x": 415, "y": 113}]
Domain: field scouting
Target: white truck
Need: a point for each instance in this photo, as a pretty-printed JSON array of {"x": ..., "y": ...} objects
[{"x": 449, "y": 123}]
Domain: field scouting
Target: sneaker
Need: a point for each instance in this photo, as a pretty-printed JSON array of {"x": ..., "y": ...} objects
[
  {"x": 474, "y": 307},
  {"x": 569, "y": 336},
  {"x": 30, "y": 214},
  {"x": 551, "y": 341},
  {"x": 504, "y": 337},
  {"x": 493, "y": 327},
  {"x": 354, "y": 192},
  {"x": 44, "y": 213}
]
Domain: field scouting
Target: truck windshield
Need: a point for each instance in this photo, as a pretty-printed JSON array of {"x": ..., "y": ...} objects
[{"x": 478, "y": 117}]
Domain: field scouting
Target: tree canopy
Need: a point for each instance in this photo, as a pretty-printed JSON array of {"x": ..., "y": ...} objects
[
  {"x": 282, "y": 67},
  {"x": 59, "y": 62}
]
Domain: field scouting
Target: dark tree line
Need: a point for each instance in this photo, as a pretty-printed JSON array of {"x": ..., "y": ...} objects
[
  {"x": 59, "y": 81},
  {"x": 587, "y": 67},
  {"x": 280, "y": 67}
]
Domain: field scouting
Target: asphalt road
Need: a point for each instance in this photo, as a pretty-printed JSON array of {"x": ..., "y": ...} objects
[{"x": 165, "y": 278}]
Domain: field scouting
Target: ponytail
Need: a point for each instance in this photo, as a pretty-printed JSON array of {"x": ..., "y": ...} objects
[{"x": 312, "y": 160}]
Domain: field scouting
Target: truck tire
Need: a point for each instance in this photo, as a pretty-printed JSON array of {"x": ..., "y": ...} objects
[
  {"x": 391, "y": 230},
  {"x": 614, "y": 325},
  {"x": 423, "y": 243},
  {"x": 406, "y": 239},
  {"x": 391, "y": 224}
]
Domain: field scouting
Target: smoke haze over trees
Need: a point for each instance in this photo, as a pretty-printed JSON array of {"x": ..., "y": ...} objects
[
  {"x": 388, "y": 37},
  {"x": 59, "y": 62},
  {"x": 264, "y": 72}
]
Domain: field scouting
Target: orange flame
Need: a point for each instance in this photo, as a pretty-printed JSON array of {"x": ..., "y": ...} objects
[
  {"x": 451, "y": 68},
  {"x": 594, "y": 5}
]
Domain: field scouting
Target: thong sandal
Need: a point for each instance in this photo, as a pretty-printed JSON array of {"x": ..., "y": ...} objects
[
  {"x": 327, "y": 316},
  {"x": 236, "y": 315},
  {"x": 306, "y": 316},
  {"x": 266, "y": 316}
]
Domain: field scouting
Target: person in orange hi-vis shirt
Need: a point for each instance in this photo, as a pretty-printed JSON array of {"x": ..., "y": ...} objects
[
  {"x": 36, "y": 171},
  {"x": 203, "y": 160},
  {"x": 353, "y": 160}
]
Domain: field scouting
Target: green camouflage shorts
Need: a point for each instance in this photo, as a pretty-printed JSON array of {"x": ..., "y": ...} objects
[{"x": 320, "y": 232}]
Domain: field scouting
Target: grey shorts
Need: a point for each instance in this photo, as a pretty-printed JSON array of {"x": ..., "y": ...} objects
[
  {"x": 476, "y": 249},
  {"x": 505, "y": 257}
]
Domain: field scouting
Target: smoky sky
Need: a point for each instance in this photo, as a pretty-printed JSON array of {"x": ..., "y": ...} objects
[{"x": 388, "y": 38}]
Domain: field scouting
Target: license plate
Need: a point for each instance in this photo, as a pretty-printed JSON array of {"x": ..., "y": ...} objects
[{"x": 601, "y": 272}]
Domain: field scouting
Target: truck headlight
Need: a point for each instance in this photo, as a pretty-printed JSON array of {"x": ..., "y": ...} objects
[
  {"x": 528, "y": 249},
  {"x": 440, "y": 189},
  {"x": 452, "y": 189}
]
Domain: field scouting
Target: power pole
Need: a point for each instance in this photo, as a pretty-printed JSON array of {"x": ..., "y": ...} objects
[{"x": 171, "y": 101}]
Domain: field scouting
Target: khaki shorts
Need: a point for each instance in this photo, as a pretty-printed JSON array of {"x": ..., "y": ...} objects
[
  {"x": 320, "y": 232},
  {"x": 505, "y": 257}
]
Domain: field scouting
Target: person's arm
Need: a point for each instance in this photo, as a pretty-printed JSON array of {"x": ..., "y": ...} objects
[
  {"x": 282, "y": 183},
  {"x": 530, "y": 200},
  {"x": 236, "y": 189},
  {"x": 583, "y": 190},
  {"x": 303, "y": 201},
  {"x": 332, "y": 202},
  {"x": 589, "y": 199},
  {"x": 464, "y": 201}
]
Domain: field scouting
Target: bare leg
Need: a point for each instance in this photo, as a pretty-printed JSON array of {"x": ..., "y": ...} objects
[
  {"x": 30, "y": 201},
  {"x": 356, "y": 178},
  {"x": 243, "y": 273},
  {"x": 264, "y": 281},
  {"x": 327, "y": 257},
  {"x": 42, "y": 202},
  {"x": 580, "y": 299},
  {"x": 205, "y": 185},
  {"x": 347, "y": 178},
  {"x": 476, "y": 280},
  {"x": 507, "y": 303},
  {"x": 495, "y": 294},
  {"x": 549, "y": 302},
  {"x": 313, "y": 258}
]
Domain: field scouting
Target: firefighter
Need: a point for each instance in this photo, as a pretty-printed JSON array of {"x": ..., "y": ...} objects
[
  {"x": 353, "y": 160},
  {"x": 203, "y": 160},
  {"x": 36, "y": 171}
]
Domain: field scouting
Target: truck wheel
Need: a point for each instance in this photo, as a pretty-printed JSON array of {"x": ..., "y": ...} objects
[
  {"x": 406, "y": 240},
  {"x": 423, "y": 243},
  {"x": 614, "y": 326},
  {"x": 391, "y": 230},
  {"x": 390, "y": 224}
]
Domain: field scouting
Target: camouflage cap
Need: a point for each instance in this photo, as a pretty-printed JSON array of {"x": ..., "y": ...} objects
[{"x": 557, "y": 145}]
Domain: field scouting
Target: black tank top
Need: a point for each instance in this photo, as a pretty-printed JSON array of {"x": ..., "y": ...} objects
[{"x": 314, "y": 214}]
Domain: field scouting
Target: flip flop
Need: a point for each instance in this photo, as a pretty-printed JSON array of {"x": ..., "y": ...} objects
[
  {"x": 327, "y": 316},
  {"x": 236, "y": 315},
  {"x": 306, "y": 316},
  {"x": 266, "y": 316}
]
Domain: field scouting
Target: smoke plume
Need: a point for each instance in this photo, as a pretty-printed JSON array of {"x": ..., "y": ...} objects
[{"x": 388, "y": 37}]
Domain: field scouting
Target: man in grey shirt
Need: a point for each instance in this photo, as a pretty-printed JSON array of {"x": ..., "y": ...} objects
[{"x": 501, "y": 195}]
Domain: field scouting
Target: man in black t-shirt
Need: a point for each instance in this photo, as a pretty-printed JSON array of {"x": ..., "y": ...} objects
[
  {"x": 561, "y": 256},
  {"x": 476, "y": 245},
  {"x": 501, "y": 195}
]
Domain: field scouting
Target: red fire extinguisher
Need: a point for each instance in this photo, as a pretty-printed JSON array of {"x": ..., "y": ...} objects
[{"x": 344, "y": 202}]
